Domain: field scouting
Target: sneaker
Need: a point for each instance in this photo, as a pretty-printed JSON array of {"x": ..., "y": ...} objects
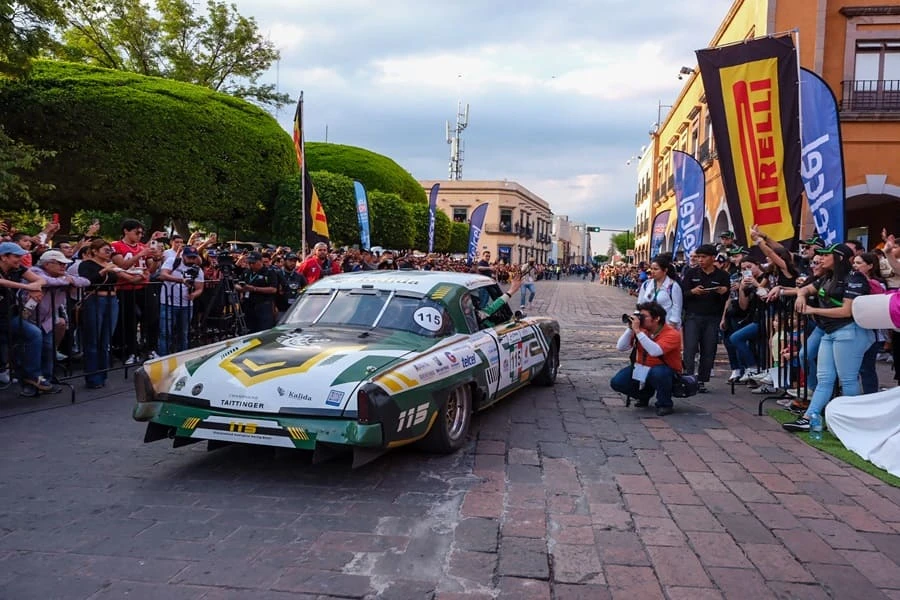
[
  {"x": 764, "y": 389},
  {"x": 797, "y": 408},
  {"x": 801, "y": 424},
  {"x": 28, "y": 391},
  {"x": 41, "y": 384},
  {"x": 785, "y": 402},
  {"x": 4, "y": 377},
  {"x": 522, "y": 307},
  {"x": 735, "y": 375},
  {"x": 701, "y": 388},
  {"x": 748, "y": 374},
  {"x": 763, "y": 377},
  {"x": 60, "y": 356},
  {"x": 792, "y": 392},
  {"x": 153, "y": 355},
  {"x": 131, "y": 360}
]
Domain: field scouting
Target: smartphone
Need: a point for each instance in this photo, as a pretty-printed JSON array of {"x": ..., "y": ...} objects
[
  {"x": 56, "y": 218},
  {"x": 747, "y": 273}
]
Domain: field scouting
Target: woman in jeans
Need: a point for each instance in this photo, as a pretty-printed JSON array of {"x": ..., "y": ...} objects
[
  {"x": 746, "y": 315},
  {"x": 843, "y": 342},
  {"x": 868, "y": 264},
  {"x": 99, "y": 309}
]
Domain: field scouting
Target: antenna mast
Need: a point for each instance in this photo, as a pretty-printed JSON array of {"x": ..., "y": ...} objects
[{"x": 454, "y": 138}]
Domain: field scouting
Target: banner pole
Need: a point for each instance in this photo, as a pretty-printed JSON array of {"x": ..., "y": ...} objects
[
  {"x": 803, "y": 205},
  {"x": 302, "y": 182}
]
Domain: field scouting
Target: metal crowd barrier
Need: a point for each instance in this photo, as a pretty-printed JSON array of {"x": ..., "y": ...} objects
[{"x": 98, "y": 327}]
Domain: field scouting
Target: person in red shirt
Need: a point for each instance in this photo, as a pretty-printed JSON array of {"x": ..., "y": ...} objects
[
  {"x": 657, "y": 357},
  {"x": 317, "y": 265}
]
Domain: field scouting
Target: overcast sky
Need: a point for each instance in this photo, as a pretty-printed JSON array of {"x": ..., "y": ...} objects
[{"x": 561, "y": 93}]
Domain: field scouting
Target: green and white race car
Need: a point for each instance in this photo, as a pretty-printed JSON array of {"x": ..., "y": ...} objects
[{"x": 368, "y": 361}]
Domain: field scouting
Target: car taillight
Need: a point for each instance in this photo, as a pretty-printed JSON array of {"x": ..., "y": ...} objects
[{"x": 362, "y": 406}]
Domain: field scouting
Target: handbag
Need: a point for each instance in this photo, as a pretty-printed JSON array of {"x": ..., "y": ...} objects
[{"x": 685, "y": 386}]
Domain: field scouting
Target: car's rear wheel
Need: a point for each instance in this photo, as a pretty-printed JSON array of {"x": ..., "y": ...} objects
[
  {"x": 547, "y": 376},
  {"x": 451, "y": 427}
]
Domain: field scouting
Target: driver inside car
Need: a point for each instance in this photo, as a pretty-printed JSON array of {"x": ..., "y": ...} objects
[{"x": 484, "y": 314}]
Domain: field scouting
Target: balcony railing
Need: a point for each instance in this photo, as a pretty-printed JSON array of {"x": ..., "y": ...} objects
[{"x": 870, "y": 95}]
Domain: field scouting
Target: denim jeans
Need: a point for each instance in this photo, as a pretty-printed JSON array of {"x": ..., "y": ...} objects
[
  {"x": 174, "y": 325},
  {"x": 809, "y": 354},
  {"x": 526, "y": 287},
  {"x": 98, "y": 319},
  {"x": 743, "y": 340},
  {"x": 25, "y": 346},
  {"x": 868, "y": 376},
  {"x": 659, "y": 381},
  {"x": 840, "y": 355}
]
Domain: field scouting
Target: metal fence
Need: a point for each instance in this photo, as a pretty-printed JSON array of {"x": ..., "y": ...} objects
[{"x": 88, "y": 332}]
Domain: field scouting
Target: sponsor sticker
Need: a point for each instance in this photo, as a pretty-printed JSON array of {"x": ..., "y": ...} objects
[
  {"x": 335, "y": 397},
  {"x": 179, "y": 385}
]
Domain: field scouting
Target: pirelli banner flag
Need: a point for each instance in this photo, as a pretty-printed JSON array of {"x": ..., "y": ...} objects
[{"x": 752, "y": 92}]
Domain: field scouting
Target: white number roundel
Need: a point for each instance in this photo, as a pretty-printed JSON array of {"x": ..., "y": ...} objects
[{"x": 428, "y": 318}]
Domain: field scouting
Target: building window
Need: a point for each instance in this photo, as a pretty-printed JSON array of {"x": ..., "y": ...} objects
[
  {"x": 506, "y": 220},
  {"x": 504, "y": 253},
  {"x": 876, "y": 77},
  {"x": 461, "y": 215}
]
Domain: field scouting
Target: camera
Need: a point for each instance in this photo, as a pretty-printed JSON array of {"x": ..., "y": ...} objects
[
  {"x": 626, "y": 318},
  {"x": 192, "y": 272}
]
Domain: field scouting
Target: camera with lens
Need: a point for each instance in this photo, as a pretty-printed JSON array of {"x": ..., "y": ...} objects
[
  {"x": 192, "y": 272},
  {"x": 626, "y": 318},
  {"x": 226, "y": 265}
]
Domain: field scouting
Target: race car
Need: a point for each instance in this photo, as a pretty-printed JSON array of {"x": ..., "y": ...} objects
[{"x": 367, "y": 361}]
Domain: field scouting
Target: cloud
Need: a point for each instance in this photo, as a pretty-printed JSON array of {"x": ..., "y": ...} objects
[{"x": 562, "y": 93}]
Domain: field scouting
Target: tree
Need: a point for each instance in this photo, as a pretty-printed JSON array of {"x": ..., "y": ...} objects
[
  {"x": 599, "y": 259},
  {"x": 441, "y": 228},
  {"x": 129, "y": 142},
  {"x": 16, "y": 159},
  {"x": 338, "y": 199},
  {"x": 459, "y": 237},
  {"x": 220, "y": 49},
  {"x": 376, "y": 172},
  {"x": 25, "y": 31},
  {"x": 623, "y": 241},
  {"x": 392, "y": 221}
]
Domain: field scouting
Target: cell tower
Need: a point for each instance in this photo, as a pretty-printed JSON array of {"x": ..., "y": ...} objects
[{"x": 457, "y": 147}]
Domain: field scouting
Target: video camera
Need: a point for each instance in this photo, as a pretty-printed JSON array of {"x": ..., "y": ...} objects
[{"x": 226, "y": 264}]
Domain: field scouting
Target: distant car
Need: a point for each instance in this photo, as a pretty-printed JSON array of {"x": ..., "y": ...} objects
[{"x": 369, "y": 361}]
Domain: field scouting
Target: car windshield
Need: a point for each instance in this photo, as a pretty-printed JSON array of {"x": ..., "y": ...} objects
[{"x": 372, "y": 308}]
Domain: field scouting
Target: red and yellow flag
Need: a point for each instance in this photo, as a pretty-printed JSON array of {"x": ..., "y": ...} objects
[{"x": 316, "y": 222}]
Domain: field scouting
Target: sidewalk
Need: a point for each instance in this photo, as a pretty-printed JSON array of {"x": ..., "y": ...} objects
[{"x": 595, "y": 500}]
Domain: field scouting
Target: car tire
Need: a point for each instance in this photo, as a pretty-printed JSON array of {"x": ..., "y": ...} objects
[
  {"x": 547, "y": 376},
  {"x": 449, "y": 431}
]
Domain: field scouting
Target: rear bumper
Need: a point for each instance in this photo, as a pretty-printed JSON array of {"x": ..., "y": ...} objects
[{"x": 264, "y": 430}]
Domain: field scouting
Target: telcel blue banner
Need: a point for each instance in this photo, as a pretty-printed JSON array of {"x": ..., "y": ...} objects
[
  {"x": 690, "y": 202},
  {"x": 658, "y": 234},
  {"x": 432, "y": 207},
  {"x": 362, "y": 213},
  {"x": 476, "y": 223},
  {"x": 822, "y": 157}
]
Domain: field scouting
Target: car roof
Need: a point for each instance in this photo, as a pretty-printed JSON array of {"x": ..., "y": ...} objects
[{"x": 402, "y": 280}]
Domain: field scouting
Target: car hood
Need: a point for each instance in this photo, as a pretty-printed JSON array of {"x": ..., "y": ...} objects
[{"x": 314, "y": 371}]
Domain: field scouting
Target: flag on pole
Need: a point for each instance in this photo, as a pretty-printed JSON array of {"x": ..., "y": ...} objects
[
  {"x": 315, "y": 223},
  {"x": 432, "y": 207},
  {"x": 362, "y": 214},
  {"x": 690, "y": 202},
  {"x": 658, "y": 233},
  {"x": 475, "y": 225},
  {"x": 752, "y": 91},
  {"x": 822, "y": 168}
]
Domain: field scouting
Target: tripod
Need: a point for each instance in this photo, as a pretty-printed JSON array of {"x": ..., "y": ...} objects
[{"x": 223, "y": 317}]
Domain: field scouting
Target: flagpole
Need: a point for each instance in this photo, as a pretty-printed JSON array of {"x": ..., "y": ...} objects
[
  {"x": 302, "y": 183},
  {"x": 803, "y": 206}
]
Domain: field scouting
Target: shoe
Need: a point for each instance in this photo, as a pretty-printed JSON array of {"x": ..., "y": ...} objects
[
  {"x": 41, "y": 384},
  {"x": 662, "y": 411},
  {"x": 763, "y": 377},
  {"x": 735, "y": 375},
  {"x": 95, "y": 386},
  {"x": 153, "y": 355},
  {"x": 61, "y": 357},
  {"x": 785, "y": 402},
  {"x": 522, "y": 307},
  {"x": 764, "y": 389},
  {"x": 29, "y": 391},
  {"x": 4, "y": 377},
  {"x": 793, "y": 393},
  {"x": 801, "y": 424},
  {"x": 798, "y": 408},
  {"x": 642, "y": 404},
  {"x": 701, "y": 388},
  {"x": 748, "y": 374},
  {"x": 131, "y": 360}
]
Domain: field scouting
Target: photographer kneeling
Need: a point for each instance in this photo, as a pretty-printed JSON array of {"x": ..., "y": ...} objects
[{"x": 656, "y": 354}]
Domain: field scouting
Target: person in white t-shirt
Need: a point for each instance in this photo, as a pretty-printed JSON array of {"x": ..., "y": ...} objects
[
  {"x": 527, "y": 271},
  {"x": 662, "y": 287},
  {"x": 182, "y": 280}
]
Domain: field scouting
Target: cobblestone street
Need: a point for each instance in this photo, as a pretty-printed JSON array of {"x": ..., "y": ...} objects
[{"x": 562, "y": 493}]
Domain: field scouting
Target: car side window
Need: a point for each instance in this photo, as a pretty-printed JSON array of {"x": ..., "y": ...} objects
[
  {"x": 504, "y": 313},
  {"x": 468, "y": 310}
]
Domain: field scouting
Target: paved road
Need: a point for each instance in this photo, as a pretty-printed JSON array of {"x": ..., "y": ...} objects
[{"x": 561, "y": 493}]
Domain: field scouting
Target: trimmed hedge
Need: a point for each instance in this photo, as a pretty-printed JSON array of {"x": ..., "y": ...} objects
[
  {"x": 129, "y": 142},
  {"x": 376, "y": 172}
]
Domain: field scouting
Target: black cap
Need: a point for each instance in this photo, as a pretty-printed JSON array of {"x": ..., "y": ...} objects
[
  {"x": 706, "y": 250},
  {"x": 737, "y": 250},
  {"x": 254, "y": 257},
  {"x": 815, "y": 240},
  {"x": 189, "y": 251},
  {"x": 842, "y": 249},
  {"x": 727, "y": 234},
  {"x": 290, "y": 256}
]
